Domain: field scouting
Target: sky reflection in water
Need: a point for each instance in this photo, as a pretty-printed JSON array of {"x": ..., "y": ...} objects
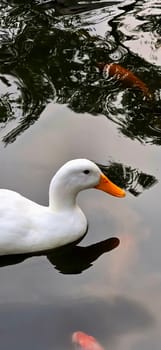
[{"x": 120, "y": 277}]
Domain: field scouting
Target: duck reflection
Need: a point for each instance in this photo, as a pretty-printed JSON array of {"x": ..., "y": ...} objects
[
  {"x": 76, "y": 259},
  {"x": 71, "y": 259}
]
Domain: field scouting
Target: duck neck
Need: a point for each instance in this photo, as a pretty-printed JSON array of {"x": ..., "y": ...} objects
[{"x": 61, "y": 197}]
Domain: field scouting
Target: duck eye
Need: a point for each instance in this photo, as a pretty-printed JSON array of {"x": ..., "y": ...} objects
[{"x": 86, "y": 171}]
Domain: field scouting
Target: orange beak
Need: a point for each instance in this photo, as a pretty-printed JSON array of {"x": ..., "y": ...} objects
[{"x": 108, "y": 186}]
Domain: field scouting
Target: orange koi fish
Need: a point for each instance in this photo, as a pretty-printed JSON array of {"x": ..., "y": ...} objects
[
  {"x": 124, "y": 75},
  {"x": 85, "y": 341}
]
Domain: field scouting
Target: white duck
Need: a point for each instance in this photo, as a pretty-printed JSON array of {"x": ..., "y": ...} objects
[{"x": 27, "y": 227}]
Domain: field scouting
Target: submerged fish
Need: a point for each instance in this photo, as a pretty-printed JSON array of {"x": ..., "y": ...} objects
[
  {"x": 124, "y": 75},
  {"x": 85, "y": 341}
]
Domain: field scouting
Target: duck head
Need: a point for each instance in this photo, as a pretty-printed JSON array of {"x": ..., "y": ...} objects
[{"x": 78, "y": 175}]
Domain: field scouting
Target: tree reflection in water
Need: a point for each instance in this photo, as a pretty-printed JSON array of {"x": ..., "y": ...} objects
[
  {"x": 45, "y": 56},
  {"x": 130, "y": 179}
]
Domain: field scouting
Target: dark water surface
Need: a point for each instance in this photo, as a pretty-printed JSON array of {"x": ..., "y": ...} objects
[{"x": 54, "y": 106}]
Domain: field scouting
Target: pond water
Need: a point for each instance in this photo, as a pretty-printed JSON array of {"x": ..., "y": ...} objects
[{"x": 54, "y": 106}]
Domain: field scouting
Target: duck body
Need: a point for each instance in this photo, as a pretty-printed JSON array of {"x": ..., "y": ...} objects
[
  {"x": 27, "y": 227},
  {"x": 30, "y": 227}
]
